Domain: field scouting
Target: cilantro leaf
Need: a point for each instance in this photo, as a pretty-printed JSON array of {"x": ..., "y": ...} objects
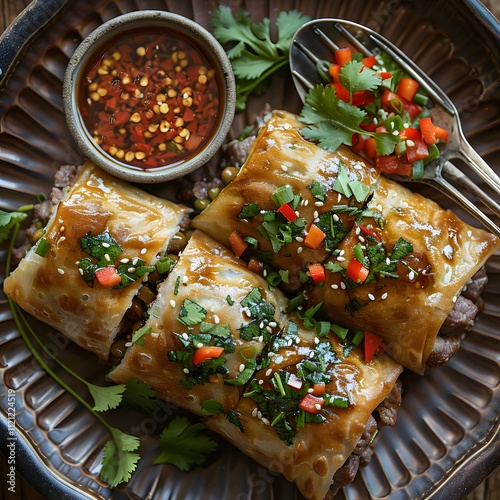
[
  {"x": 7, "y": 221},
  {"x": 355, "y": 76},
  {"x": 118, "y": 461},
  {"x": 253, "y": 54},
  {"x": 210, "y": 407},
  {"x": 184, "y": 445},
  {"x": 102, "y": 247},
  {"x": 139, "y": 395},
  {"x": 191, "y": 313},
  {"x": 138, "y": 335},
  {"x": 106, "y": 398}
]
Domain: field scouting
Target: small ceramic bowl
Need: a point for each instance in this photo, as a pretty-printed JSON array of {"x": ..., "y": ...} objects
[{"x": 149, "y": 96}]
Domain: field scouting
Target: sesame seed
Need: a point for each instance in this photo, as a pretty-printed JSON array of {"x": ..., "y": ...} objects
[
  {"x": 360, "y": 238},
  {"x": 172, "y": 303},
  {"x": 411, "y": 276},
  {"x": 284, "y": 168},
  {"x": 131, "y": 270},
  {"x": 388, "y": 261},
  {"x": 306, "y": 202},
  {"x": 216, "y": 319},
  {"x": 317, "y": 406},
  {"x": 384, "y": 296},
  {"x": 299, "y": 250},
  {"x": 454, "y": 299},
  {"x": 143, "y": 251},
  {"x": 342, "y": 285},
  {"x": 241, "y": 367},
  {"x": 185, "y": 336},
  {"x": 279, "y": 359},
  {"x": 268, "y": 372},
  {"x": 105, "y": 245},
  {"x": 316, "y": 340},
  {"x": 334, "y": 286},
  {"x": 125, "y": 261},
  {"x": 318, "y": 203},
  {"x": 261, "y": 381},
  {"x": 62, "y": 229},
  {"x": 81, "y": 271},
  {"x": 311, "y": 354},
  {"x": 358, "y": 230},
  {"x": 254, "y": 412},
  {"x": 395, "y": 132},
  {"x": 265, "y": 421},
  {"x": 185, "y": 279},
  {"x": 315, "y": 214},
  {"x": 264, "y": 273},
  {"x": 185, "y": 370},
  {"x": 310, "y": 390},
  {"x": 371, "y": 296},
  {"x": 410, "y": 143},
  {"x": 336, "y": 218},
  {"x": 199, "y": 344},
  {"x": 339, "y": 197},
  {"x": 273, "y": 324},
  {"x": 155, "y": 335},
  {"x": 128, "y": 344},
  {"x": 297, "y": 340},
  {"x": 259, "y": 414},
  {"x": 342, "y": 252},
  {"x": 340, "y": 258},
  {"x": 107, "y": 257},
  {"x": 60, "y": 271},
  {"x": 299, "y": 239},
  {"x": 469, "y": 233},
  {"x": 290, "y": 342}
]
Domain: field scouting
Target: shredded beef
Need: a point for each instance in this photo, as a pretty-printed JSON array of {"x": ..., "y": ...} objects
[
  {"x": 461, "y": 318},
  {"x": 474, "y": 287},
  {"x": 444, "y": 349},
  {"x": 238, "y": 151},
  {"x": 387, "y": 411}
]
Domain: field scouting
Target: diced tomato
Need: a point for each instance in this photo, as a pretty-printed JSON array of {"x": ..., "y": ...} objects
[
  {"x": 431, "y": 133},
  {"x": 343, "y": 56},
  {"x": 371, "y": 344},
  {"x": 206, "y": 352},
  {"x": 317, "y": 272},
  {"x": 108, "y": 276},
  {"x": 418, "y": 151},
  {"x": 369, "y": 62},
  {"x": 334, "y": 71},
  {"x": 362, "y": 98},
  {"x": 311, "y": 404},
  {"x": 407, "y": 88},
  {"x": 318, "y": 389},
  {"x": 288, "y": 212},
  {"x": 388, "y": 164},
  {"x": 381, "y": 129},
  {"x": 384, "y": 75},
  {"x": 370, "y": 147},
  {"x": 314, "y": 237},
  {"x": 294, "y": 382},
  {"x": 356, "y": 271},
  {"x": 238, "y": 244}
]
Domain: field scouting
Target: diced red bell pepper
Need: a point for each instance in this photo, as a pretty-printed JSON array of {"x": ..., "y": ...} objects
[
  {"x": 371, "y": 344},
  {"x": 108, "y": 276},
  {"x": 394, "y": 102},
  {"x": 356, "y": 271},
  {"x": 362, "y": 98},
  {"x": 318, "y": 389},
  {"x": 411, "y": 133},
  {"x": 317, "y": 272},
  {"x": 314, "y": 237},
  {"x": 369, "y": 62},
  {"x": 407, "y": 88},
  {"x": 384, "y": 75},
  {"x": 311, "y": 404},
  {"x": 206, "y": 352},
  {"x": 388, "y": 164},
  {"x": 238, "y": 244},
  {"x": 294, "y": 382},
  {"x": 288, "y": 212},
  {"x": 432, "y": 133},
  {"x": 343, "y": 56},
  {"x": 370, "y": 147},
  {"x": 342, "y": 92},
  {"x": 334, "y": 71},
  {"x": 357, "y": 142}
]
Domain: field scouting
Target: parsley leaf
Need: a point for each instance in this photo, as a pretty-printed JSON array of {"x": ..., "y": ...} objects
[
  {"x": 106, "y": 397},
  {"x": 253, "y": 54},
  {"x": 183, "y": 444},
  {"x": 191, "y": 313},
  {"x": 118, "y": 461}
]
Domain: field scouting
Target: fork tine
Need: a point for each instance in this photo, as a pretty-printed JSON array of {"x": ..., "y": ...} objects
[
  {"x": 441, "y": 184},
  {"x": 352, "y": 40}
]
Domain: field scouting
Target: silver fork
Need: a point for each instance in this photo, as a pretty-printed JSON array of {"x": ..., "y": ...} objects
[{"x": 316, "y": 40}]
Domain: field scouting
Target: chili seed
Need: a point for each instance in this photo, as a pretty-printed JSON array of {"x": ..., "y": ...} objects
[
  {"x": 161, "y": 98},
  {"x": 164, "y": 126},
  {"x": 143, "y": 82},
  {"x": 112, "y": 150},
  {"x": 179, "y": 122},
  {"x": 129, "y": 156},
  {"x": 184, "y": 133},
  {"x": 164, "y": 108},
  {"x": 140, "y": 51},
  {"x": 140, "y": 155},
  {"x": 120, "y": 154},
  {"x": 95, "y": 96},
  {"x": 136, "y": 117},
  {"x": 202, "y": 79}
]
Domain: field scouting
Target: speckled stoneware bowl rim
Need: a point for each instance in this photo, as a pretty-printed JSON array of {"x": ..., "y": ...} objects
[{"x": 122, "y": 24}]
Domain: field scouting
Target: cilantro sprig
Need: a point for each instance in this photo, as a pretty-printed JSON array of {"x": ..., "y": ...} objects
[
  {"x": 332, "y": 122},
  {"x": 253, "y": 54}
]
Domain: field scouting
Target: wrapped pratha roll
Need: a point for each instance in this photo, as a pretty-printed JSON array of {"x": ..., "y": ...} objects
[
  {"x": 102, "y": 223},
  {"x": 308, "y": 409},
  {"x": 284, "y": 192},
  {"x": 416, "y": 259},
  {"x": 209, "y": 323}
]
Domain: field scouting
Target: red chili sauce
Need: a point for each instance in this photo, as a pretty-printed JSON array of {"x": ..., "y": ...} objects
[{"x": 150, "y": 100}]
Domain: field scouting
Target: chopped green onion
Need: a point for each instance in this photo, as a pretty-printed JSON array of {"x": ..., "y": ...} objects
[
  {"x": 339, "y": 331},
  {"x": 417, "y": 170},
  {"x": 273, "y": 278},
  {"x": 358, "y": 337},
  {"x": 296, "y": 301},
  {"x": 284, "y": 194},
  {"x": 42, "y": 247},
  {"x": 322, "y": 328},
  {"x": 164, "y": 265},
  {"x": 420, "y": 99}
]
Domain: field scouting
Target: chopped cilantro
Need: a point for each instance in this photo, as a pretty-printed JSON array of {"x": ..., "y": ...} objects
[
  {"x": 191, "y": 313},
  {"x": 317, "y": 190},
  {"x": 139, "y": 395},
  {"x": 138, "y": 335},
  {"x": 211, "y": 407},
  {"x": 248, "y": 211},
  {"x": 8, "y": 220}
]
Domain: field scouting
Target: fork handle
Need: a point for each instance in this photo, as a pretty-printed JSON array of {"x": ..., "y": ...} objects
[{"x": 470, "y": 155}]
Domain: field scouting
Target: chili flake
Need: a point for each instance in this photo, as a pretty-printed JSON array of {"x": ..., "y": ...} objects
[{"x": 151, "y": 99}]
